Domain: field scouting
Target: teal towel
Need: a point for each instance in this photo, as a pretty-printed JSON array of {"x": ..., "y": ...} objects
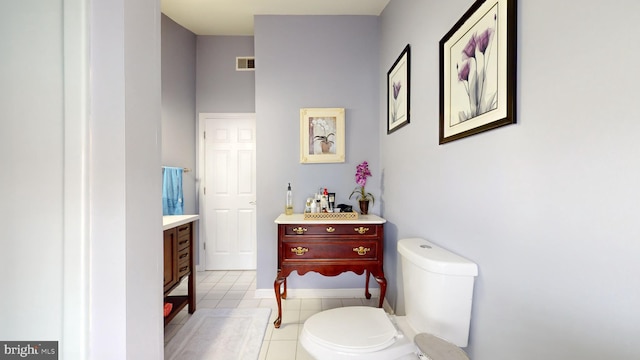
[{"x": 172, "y": 199}]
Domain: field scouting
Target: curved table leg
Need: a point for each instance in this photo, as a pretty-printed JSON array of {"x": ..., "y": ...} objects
[
  {"x": 383, "y": 288},
  {"x": 367, "y": 274},
  {"x": 284, "y": 288},
  {"x": 276, "y": 287}
]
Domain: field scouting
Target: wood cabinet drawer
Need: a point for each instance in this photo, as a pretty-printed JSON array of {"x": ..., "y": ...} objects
[
  {"x": 334, "y": 250},
  {"x": 184, "y": 230},
  {"x": 183, "y": 255},
  {"x": 332, "y": 229},
  {"x": 183, "y": 242},
  {"x": 183, "y": 269}
]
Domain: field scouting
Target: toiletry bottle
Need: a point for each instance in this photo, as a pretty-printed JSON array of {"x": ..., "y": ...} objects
[
  {"x": 307, "y": 207},
  {"x": 324, "y": 200},
  {"x": 288, "y": 208},
  {"x": 314, "y": 208}
]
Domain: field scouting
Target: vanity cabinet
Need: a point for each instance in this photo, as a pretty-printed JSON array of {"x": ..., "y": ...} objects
[
  {"x": 170, "y": 265},
  {"x": 178, "y": 247},
  {"x": 329, "y": 247}
]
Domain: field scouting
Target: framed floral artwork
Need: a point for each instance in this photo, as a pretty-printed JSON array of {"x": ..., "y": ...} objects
[
  {"x": 398, "y": 94},
  {"x": 478, "y": 71},
  {"x": 322, "y": 135}
]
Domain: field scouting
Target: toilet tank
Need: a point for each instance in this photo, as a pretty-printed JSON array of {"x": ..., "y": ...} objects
[{"x": 438, "y": 290}]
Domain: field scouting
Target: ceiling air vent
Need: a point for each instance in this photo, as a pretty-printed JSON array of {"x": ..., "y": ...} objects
[{"x": 245, "y": 63}]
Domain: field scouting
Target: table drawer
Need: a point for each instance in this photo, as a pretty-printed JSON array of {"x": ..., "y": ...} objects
[
  {"x": 332, "y": 229},
  {"x": 330, "y": 250}
]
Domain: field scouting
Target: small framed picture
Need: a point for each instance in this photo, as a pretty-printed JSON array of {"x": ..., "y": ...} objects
[
  {"x": 398, "y": 94},
  {"x": 322, "y": 135}
]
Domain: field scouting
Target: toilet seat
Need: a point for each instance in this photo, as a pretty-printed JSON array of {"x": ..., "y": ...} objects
[
  {"x": 356, "y": 332},
  {"x": 356, "y": 329}
]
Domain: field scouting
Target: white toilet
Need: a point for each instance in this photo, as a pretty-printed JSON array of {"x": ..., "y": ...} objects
[{"x": 438, "y": 288}]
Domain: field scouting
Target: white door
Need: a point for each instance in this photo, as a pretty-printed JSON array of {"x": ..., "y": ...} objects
[{"x": 229, "y": 191}]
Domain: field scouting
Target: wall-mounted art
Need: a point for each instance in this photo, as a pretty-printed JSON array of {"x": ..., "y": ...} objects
[
  {"x": 478, "y": 71},
  {"x": 398, "y": 94},
  {"x": 322, "y": 135}
]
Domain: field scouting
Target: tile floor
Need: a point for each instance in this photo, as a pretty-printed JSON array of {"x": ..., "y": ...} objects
[{"x": 235, "y": 289}]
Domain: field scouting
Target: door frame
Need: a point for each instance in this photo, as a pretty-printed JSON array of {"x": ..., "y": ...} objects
[{"x": 200, "y": 174}]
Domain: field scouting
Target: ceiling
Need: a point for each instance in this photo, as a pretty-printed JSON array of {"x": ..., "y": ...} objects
[{"x": 235, "y": 17}]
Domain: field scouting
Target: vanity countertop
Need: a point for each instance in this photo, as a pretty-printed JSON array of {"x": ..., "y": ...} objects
[
  {"x": 299, "y": 219},
  {"x": 171, "y": 221}
]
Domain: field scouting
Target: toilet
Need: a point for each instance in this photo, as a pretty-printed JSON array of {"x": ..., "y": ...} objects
[{"x": 438, "y": 288}]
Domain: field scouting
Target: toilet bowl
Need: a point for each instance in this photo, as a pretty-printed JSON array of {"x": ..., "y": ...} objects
[{"x": 438, "y": 287}]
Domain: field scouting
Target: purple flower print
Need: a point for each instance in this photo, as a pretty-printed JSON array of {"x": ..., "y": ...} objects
[
  {"x": 396, "y": 92},
  {"x": 483, "y": 40},
  {"x": 469, "y": 51},
  {"x": 473, "y": 74},
  {"x": 396, "y": 89},
  {"x": 463, "y": 75}
]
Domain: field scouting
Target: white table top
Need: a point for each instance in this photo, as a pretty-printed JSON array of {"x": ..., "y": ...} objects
[
  {"x": 299, "y": 219},
  {"x": 171, "y": 221}
]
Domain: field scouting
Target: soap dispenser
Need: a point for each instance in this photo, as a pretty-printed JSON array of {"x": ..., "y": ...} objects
[{"x": 288, "y": 208}]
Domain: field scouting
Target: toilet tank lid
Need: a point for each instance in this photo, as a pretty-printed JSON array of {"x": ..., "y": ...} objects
[
  {"x": 438, "y": 349},
  {"x": 433, "y": 258}
]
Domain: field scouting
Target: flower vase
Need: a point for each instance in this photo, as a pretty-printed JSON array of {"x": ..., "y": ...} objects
[
  {"x": 325, "y": 146},
  {"x": 364, "y": 207}
]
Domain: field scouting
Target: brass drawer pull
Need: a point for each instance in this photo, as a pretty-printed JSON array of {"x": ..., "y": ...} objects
[
  {"x": 361, "y": 230},
  {"x": 299, "y": 230},
  {"x": 361, "y": 250},
  {"x": 299, "y": 250},
  {"x": 331, "y": 229}
]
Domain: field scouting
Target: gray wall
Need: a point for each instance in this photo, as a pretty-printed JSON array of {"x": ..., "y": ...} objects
[
  {"x": 304, "y": 62},
  {"x": 547, "y": 208},
  {"x": 124, "y": 156},
  {"x": 32, "y": 144},
  {"x": 81, "y": 249},
  {"x": 179, "y": 105},
  {"x": 220, "y": 88}
]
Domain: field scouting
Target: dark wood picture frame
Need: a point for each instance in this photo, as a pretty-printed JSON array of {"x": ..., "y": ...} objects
[
  {"x": 398, "y": 91},
  {"x": 478, "y": 71}
]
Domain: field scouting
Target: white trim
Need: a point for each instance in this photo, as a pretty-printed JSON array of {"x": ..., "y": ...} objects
[{"x": 75, "y": 302}]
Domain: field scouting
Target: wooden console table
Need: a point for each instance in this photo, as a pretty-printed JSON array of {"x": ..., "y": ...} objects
[
  {"x": 329, "y": 247},
  {"x": 179, "y": 262}
]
